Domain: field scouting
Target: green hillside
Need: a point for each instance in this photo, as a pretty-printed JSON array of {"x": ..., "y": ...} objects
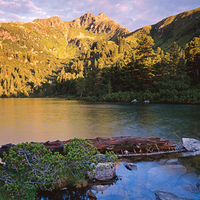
[
  {"x": 180, "y": 28},
  {"x": 33, "y": 54},
  {"x": 94, "y": 57}
]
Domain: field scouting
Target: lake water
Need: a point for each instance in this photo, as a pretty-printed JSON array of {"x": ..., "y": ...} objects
[{"x": 53, "y": 119}]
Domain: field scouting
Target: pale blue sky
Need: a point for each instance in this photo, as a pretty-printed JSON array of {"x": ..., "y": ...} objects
[{"x": 132, "y": 14}]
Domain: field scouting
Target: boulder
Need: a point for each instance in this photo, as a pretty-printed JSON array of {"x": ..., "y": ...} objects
[
  {"x": 162, "y": 195},
  {"x": 191, "y": 144},
  {"x": 103, "y": 171}
]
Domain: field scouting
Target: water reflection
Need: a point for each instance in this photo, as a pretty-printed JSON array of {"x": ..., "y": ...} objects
[
  {"x": 171, "y": 174},
  {"x": 89, "y": 192},
  {"x": 51, "y": 119},
  {"x": 57, "y": 119}
]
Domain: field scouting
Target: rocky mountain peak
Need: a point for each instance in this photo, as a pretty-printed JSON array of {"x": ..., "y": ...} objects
[
  {"x": 102, "y": 16},
  {"x": 52, "y": 22},
  {"x": 98, "y": 23}
]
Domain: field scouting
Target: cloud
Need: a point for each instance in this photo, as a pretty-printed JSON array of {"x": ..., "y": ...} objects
[
  {"x": 15, "y": 17},
  {"x": 20, "y": 7},
  {"x": 30, "y": 7},
  {"x": 123, "y": 8},
  {"x": 132, "y": 14},
  {"x": 3, "y": 20},
  {"x": 1, "y": 12},
  {"x": 9, "y": 5}
]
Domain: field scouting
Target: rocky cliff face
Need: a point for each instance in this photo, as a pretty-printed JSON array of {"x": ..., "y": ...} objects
[
  {"x": 98, "y": 24},
  {"x": 51, "y": 22}
]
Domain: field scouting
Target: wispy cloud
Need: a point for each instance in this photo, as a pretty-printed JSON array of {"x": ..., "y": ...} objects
[
  {"x": 131, "y": 14},
  {"x": 9, "y": 5},
  {"x": 30, "y": 7},
  {"x": 1, "y": 12}
]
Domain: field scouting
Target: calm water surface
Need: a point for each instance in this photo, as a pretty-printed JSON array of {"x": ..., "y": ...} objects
[{"x": 57, "y": 119}]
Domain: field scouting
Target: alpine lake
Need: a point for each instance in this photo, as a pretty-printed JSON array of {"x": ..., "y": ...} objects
[{"x": 51, "y": 119}]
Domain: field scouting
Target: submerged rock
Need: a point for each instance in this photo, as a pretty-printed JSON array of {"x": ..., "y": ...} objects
[
  {"x": 130, "y": 166},
  {"x": 189, "y": 153},
  {"x": 158, "y": 176},
  {"x": 99, "y": 188},
  {"x": 91, "y": 194},
  {"x": 198, "y": 186},
  {"x": 191, "y": 144},
  {"x": 191, "y": 188},
  {"x": 172, "y": 161},
  {"x": 162, "y": 195},
  {"x": 103, "y": 171}
]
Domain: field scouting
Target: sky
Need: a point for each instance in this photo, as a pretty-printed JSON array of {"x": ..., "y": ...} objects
[{"x": 132, "y": 14}]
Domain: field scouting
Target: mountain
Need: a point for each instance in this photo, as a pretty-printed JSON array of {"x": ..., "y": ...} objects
[
  {"x": 99, "y": 24},
  {"x": 180, "y": 28},
  {"x": 48, "y": 56},
  {"x": 87, "y": 29},
  {"x": 33, "y": 54},
  {"x": 82, "y": 32}
]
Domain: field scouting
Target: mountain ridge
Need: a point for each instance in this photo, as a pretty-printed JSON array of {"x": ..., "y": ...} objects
[
  {"x": 51, "y": 56},
  {"x": 180, "y": 28},
  {"x": 71, "y": 37}
]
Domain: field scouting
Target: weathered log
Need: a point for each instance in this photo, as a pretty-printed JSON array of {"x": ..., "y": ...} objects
[
  {"x": 133, "y": 144},
  {"x": 120, "y": 145},
  {"x": 148, "y": 154}
]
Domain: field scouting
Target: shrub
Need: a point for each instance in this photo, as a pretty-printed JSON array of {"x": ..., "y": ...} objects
[
  {"x": 29, "y": 167},
  {"x": 80, "y": 155}
]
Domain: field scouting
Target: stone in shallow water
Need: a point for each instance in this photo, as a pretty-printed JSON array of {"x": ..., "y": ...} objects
[
  {"x": 191, "y": 188},
  {"x": 162, "y": 195},
  {"x": 191, "y": 144},
  {"x": 130, "y": 166},
  {"x": 103, "y": 171},
  {"x": 99, "y": 188},
  {"x": 172, "y": 161},
  {"x": 189, "y": 154},
  {"x": 91, "y": 195},
  {"x": 198, "y": 186}
]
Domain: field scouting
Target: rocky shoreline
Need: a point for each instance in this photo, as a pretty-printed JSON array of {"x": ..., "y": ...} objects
[
  {"x": 122, "y": 145},
  {"x": 132, "y": 147}
]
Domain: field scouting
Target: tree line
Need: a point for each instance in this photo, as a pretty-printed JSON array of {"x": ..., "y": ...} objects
[{"x": 108, "y": 68}]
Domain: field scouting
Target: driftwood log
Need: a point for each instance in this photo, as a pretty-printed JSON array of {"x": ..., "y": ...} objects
[{"x": 123, "y": 146}]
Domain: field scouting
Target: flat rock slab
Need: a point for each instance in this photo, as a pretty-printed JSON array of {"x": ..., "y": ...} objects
[
  {"x": 162, "y": 195},
  {"x": 191, "y": 144}
]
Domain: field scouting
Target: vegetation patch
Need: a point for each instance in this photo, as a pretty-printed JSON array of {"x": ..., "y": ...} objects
[{"x": 31, "y": 167}]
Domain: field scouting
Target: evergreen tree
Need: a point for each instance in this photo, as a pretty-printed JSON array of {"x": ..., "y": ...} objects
[
  {"x": 145, "y": 60},
  {"x": 193, "y": 59}
]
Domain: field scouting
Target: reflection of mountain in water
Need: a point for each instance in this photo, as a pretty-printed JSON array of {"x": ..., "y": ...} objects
[{"x": 89, "y": 192}]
